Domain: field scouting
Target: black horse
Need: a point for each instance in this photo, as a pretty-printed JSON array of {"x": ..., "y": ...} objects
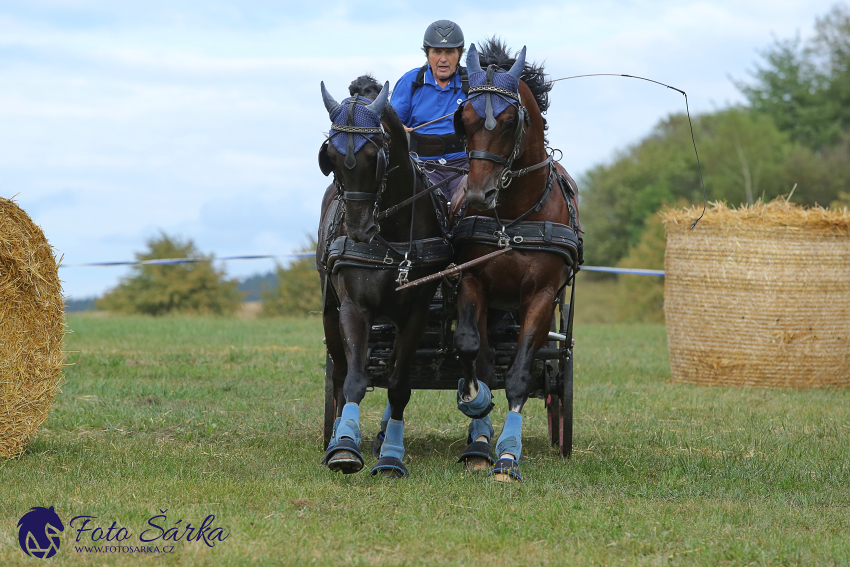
[{"x": 361, "y": 262}]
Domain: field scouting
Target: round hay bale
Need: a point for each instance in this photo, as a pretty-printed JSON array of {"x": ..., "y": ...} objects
[
  {"x": 759, "y": 296},
  {"x": 32, "y": 323}
]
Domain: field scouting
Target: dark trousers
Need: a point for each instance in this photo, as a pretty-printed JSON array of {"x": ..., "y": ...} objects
[{"x": 437, "y": 175}]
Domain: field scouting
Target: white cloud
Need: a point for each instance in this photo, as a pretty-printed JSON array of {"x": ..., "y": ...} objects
[{"x": 121, "y": 119}]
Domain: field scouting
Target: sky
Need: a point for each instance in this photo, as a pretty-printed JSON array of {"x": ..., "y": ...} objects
[{"x": 203, "y": 119}]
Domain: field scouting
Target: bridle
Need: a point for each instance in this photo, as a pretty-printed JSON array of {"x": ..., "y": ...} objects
[
  {"x": 514, "y": 99},
  {"x": 381, "y": 171}
]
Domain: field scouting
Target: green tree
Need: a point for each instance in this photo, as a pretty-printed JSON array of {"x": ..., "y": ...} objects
[
  {"x": 298, "y": 291},
  {"x": 805, "y": 88},
  {"x": 743, "y": 156},
  {"x": 161, "y": 289},
  {"x": 641, "y": 298}
]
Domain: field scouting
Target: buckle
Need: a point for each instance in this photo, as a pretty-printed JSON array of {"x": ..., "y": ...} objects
[{"x": 403, "y": 270}]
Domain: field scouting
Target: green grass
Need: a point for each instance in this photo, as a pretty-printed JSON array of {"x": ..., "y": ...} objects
[{"x": 220, "y": 416}]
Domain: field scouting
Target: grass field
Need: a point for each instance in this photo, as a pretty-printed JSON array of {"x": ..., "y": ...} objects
[{"x": 200, "y": 416}]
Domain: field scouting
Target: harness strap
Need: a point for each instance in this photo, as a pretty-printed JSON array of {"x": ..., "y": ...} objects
[
  {"x": 524, "y": 170},
  {"x": 537, "y": 206},
  {"x": 359, "y": 196},
  {"x": 428, "y": 252},
  {"x": 481, "y": 154},
  {"x": 538, "y": 236}
]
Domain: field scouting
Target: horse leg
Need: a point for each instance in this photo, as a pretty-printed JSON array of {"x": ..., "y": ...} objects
[
  {"x": 473, "y": 396},
  {"x": 536, "y": 316},
  {"x": 398, "y": 392},
  {"x": 343, "y": 452},
  {"x": 333, "y": 339}
]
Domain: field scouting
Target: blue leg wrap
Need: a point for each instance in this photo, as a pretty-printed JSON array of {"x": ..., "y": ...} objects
[
  {"x": 510, "y": 441},
  {"x": 481, "y": 426},
  {"x": 394, "y": 441},
  {"x": 385, "y": 419},
  {"x": 349, "y": 424},
  {"x": 481, "y": 403},
  {"x": 333, "y": 437}
]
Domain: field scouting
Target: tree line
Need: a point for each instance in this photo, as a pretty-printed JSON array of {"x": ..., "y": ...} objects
[{"x": 793, "y": 131}]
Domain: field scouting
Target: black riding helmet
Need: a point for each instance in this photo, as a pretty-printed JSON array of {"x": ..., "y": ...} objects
[{"x": 443, "y": 33}]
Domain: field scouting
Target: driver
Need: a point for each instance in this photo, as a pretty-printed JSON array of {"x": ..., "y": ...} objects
[{"x": 430, "y": 92}]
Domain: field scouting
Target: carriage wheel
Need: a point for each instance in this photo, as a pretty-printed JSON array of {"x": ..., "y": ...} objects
[
  {"x": 553, "y": 413},
  {"x": 330, "y": 401},
  {"x": 565, "y": 413},
  {"x": 565, "y": 381},
  {"x": 553, "y": 402}
]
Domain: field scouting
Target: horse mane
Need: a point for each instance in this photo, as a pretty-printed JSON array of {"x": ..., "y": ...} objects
[
  {"x": 369, "y": 87},
  {"x": 493, "y": 51},
  {"x": 365, "y": 85}
]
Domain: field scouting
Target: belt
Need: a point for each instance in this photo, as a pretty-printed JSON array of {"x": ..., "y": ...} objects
[{"x": 432, "y": 145}]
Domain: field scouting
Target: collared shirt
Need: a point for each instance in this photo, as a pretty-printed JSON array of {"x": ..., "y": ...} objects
[{"x": 430, "y": 101}]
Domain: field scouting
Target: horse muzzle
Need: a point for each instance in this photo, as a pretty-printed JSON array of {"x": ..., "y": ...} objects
[{"x": 483, "y": 200}]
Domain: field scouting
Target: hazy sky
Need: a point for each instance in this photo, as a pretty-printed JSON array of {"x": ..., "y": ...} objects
[{"x": 203, "y": 119}]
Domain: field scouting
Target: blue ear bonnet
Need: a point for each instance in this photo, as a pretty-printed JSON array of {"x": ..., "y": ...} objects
[
  {"x": 363, "y": 117},
  {"x": 500, "y": 79}
]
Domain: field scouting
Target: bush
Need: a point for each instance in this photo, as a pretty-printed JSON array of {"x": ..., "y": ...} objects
[
  {"x": 298, "y": 292},
  {"x": 161, "y": 289},
  {"x": 641, "y": 298}
]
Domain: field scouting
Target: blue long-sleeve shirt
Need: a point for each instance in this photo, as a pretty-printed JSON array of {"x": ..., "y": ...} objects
[{"x": 430, "y": 101}]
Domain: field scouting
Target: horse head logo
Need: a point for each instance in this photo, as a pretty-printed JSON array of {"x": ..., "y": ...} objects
[{"x": 39, "y": 532}]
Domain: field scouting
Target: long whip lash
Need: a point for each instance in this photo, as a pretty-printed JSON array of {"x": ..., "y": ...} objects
[{"x": 687, "y": 110}]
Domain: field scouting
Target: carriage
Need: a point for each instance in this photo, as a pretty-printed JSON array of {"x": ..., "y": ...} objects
[
  {"x": 436, "y": 365},
  {"x": 448, "y": 328}
]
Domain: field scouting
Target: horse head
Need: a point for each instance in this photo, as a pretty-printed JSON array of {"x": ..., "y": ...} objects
[
  {"x": 492, "y": 124},
  {"x": 359, "y": 167}
]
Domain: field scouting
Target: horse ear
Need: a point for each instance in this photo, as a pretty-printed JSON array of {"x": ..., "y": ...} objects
[
  {"x": 377, "y": 106},
  {"x": 516, "y": 69},
  {"x": 473, "y": 65},
  {"x": 325, "y": 163},
  {"x": 330, "y": 104}
]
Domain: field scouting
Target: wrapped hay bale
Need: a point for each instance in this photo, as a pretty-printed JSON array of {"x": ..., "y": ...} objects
[
  {"x": 32, "y": 323},
  {"x": 759, "y": 296}
]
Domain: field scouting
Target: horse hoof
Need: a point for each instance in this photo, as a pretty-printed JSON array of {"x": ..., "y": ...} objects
[
  {"x": 390, "y": 467},
  {"x": 476, "y": 464},
  {"x": 344, "y": 457},
  {"x": 506, "y": 471},
  {"x": 504, "y": 478},
  {"x": 478, "y": 457},
  {"x": 345, "y": 461}
]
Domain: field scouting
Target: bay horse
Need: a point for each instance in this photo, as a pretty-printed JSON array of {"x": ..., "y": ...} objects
[
  {"x": 515, "y": 195},
  {"x": 363, "y": 254}
]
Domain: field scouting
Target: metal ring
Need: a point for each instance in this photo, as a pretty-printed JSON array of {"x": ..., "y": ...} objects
[{"x": 518, "y": 239}]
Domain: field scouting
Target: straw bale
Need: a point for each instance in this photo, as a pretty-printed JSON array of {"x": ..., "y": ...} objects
[
  {"x": 759, "y": 296},
  {"x": 32, "y": 323}
]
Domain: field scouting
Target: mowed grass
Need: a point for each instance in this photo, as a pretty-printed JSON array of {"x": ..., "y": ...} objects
[{"x": 202, "y": 416}]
